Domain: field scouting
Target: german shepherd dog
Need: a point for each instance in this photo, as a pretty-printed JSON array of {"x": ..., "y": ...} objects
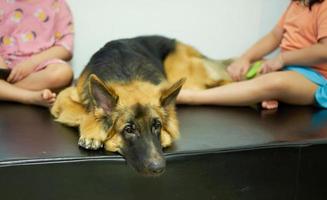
[{"x": 124, "y": 99}]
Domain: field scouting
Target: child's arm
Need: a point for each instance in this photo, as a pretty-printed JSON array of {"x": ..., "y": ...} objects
[
  {"x": 23, "y": 69},
  {"x": 64, "y": 27},
  {"x": 309, "y": 56},
  {"x": 264, "y": 46},
  {"x": 51, "y": 53}
]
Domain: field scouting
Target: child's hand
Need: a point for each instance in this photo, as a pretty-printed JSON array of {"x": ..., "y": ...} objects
[
  {"x": 272, "y": 65},
  {"x": 21, "y": 71},
  {"x": 238, "y": 69}
]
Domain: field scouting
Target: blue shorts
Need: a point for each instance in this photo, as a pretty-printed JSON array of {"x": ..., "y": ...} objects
[{"x": 318, "y": 79}]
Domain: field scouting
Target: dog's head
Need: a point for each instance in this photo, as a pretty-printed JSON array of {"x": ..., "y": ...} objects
[{"x": 140, "y": 120}]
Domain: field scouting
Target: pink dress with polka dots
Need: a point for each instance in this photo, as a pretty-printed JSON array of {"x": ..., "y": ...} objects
[{"x": 28, "y": 27}]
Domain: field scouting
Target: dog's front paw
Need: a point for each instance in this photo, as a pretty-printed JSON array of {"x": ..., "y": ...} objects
[{"x": 90, "y": 143}]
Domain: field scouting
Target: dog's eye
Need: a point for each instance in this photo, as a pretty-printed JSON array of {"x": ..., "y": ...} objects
[
  {"x": 156, "y": 125},
  {"x": 130, "y": 128}
]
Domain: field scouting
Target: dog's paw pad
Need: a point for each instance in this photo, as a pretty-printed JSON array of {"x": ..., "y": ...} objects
[{"x": 89, "y": 143}]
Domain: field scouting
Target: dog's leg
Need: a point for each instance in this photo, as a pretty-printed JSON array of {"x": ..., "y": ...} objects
[
  {"x": 92, "y": 133},
  {"x": 67, "y": 109}
]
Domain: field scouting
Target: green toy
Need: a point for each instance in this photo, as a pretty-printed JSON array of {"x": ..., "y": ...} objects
[{"x": 254, "y": 69}]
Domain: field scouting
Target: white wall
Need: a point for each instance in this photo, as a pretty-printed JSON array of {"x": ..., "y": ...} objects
[{"x": 219, "y": 28}]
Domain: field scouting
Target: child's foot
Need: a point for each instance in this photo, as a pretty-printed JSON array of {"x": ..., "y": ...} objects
[
  {"x": 269, "y": 104},
  {"x": 42, "y": 98}
]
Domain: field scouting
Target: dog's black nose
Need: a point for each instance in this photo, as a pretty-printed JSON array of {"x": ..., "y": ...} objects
[{"x": 157, "y": 167}]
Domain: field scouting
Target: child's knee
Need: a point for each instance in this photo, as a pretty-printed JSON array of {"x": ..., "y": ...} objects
[
  {"x": 61, "y": 74},
  {"x": 272, "y": 83}
]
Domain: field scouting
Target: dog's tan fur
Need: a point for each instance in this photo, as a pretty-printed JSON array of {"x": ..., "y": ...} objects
[
  {"x": 185, "y": 61},
  {"x": 201, "y": 72}
]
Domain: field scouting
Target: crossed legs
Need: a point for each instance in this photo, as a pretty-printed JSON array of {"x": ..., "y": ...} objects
[{"x": 37, "y": 87}]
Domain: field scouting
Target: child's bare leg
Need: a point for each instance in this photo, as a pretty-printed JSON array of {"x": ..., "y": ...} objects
[
  {"x": 36, "y": 88},
  {"x": 9, "y": 92},
  {"x": 53, "y": 77},
  {"x": 285, "y": 86},
  {"x": 269, "y": 104}
]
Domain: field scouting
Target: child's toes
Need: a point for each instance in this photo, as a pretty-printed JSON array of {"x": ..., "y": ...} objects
[
  {"x": 52, "y": 100},
  {"x": 271, "y": 104},
  {"x": 264, "y": 104},
  {"x": 48, "y": 95}
]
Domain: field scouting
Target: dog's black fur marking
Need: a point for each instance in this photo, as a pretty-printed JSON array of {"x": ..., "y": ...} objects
[{"x": 126, "y": 59}]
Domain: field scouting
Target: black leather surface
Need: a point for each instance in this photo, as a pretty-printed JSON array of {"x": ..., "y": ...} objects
[{"x": 223, "y": 153}]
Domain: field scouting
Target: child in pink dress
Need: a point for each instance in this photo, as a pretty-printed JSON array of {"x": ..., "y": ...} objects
[{"x": 36, "y": 40}]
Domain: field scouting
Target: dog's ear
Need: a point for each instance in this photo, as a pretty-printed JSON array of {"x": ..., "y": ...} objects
[
  {"x": 168, "y": 96},
  {"x": 102, "y": 96}
]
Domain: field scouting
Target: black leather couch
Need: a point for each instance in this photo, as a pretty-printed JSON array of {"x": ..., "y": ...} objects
[{"x": 224, "y": 153}]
